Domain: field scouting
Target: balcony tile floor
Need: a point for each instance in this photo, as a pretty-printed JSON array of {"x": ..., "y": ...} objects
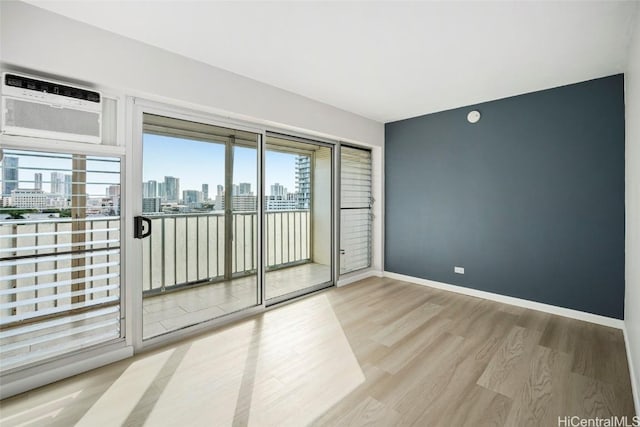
[{"x": 175, "y": 310}]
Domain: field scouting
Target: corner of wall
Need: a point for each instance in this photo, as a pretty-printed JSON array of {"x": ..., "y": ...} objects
[{"x": 632, "y": 208}]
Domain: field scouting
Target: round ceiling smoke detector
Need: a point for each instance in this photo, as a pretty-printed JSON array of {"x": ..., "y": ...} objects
[{"x": 473, "y": 116}]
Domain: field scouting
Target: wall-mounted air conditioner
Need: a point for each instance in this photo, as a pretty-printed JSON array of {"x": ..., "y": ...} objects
[{"x": 47, "y": 109}]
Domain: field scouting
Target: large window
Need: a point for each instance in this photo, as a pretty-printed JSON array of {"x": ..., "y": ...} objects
[{"x": 59, "y": 254}]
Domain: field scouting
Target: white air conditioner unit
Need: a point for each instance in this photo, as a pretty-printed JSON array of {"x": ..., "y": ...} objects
[{"x": 48, "y": 109}]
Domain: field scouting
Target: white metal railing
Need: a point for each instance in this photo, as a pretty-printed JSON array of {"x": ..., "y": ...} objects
[
  {"x": 60, "y": 277},
  {"x": 187, "y": 249},
  {"x": 59, "y": 286}
]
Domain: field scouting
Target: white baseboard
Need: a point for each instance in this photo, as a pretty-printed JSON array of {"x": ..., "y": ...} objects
[
  {"x": 632, "y": 370},
  {"x": 547, "y": 308},
  {"x": 352, "y": 278}
]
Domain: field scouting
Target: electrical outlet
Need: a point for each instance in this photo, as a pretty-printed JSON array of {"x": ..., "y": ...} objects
[{"x": 459, "y": 270}]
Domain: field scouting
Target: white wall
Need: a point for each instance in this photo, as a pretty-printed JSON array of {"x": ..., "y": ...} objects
[
  {"x": 43, "y": 41},
  {"x": 632, "y": 181}
]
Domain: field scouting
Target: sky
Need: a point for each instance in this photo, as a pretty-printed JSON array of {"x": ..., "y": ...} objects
[{"x": 198, "y": 162}]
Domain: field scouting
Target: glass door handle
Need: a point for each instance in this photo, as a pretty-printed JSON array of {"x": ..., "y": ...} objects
[{"x": 139, "y": 227}]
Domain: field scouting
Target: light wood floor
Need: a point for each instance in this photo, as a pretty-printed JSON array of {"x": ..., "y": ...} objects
[{"x": 378, "y": 352}]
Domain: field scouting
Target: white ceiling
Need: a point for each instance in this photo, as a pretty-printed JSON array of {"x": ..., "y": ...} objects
[{"x": 383, "y": 60}]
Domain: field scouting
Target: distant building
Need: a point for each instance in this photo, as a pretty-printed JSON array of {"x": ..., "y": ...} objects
[
  {"x": 162, "y": 193},
  {"x": 192, "y": 198},
  {"x": 278, "y": 190},
  {"x": 205, "y": 192},
  {"x": 244, "y": 203},
  {"x": 282, "y": 203},
  {"x": 244, "y": 189},
  {"x": 68, "y": 186},
  {"x": 57, "y": 183},
  {"x": 57, "y": 201},
  {"x": 110, "y": 206},
  {"x": 219, "y": 190},
  {"x": 37, "y": 181},
  {"x": 151, "y": 204},
  {"x": 303, "y": 181},
  {"x": 29, "y": 199},
  {"x": 150, "y": 189},
  {"x": 172, "y": 188},
  {"x": 112, "y": 191},
  {"x": 218, "y": 204},
  {"x": 9, "y": 175},
  {"x": 238, "y": 203}
]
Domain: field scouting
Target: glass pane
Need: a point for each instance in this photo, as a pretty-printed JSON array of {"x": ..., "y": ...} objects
[
  {"x": 298, "y": 217},
  {"x": 245, "y": 227},
  {"x": 199, "y": 261},
  {"x": 59, "y": 254}
]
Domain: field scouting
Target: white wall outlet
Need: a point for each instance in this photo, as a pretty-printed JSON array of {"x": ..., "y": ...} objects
[{"x": 459, "y": 270}]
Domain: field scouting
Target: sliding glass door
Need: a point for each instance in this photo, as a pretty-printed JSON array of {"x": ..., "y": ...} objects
[
  {"x": 298, "y": 218},
  {"x": 199, "y": 223}
]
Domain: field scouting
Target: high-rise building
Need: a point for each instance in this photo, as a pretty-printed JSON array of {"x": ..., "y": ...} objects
[
  {"x": 205, "y": 192},
  {"x": 219, "y": 190},
  {"x": 191, "y": 198},
  {"x": 162, "y": 192},
  {"x": 57, "y": 183},
  {"x": 150, "y": 189},
  {"x": 9, "y": 175},
  {"x": 235, "y": 190},
  {"x": 68, "y": 186},
  {"x": 278, "y": 190},
  {"x": 37, "y": 181},
  {"x": 151, "y": 204},
  {"x": 303, "y": 181},
  {"x": 244, "y": 189},
  {"x": 172, "y": 188}
]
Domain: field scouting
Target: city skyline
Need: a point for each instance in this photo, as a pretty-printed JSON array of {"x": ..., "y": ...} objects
[
  {"x": 51, "y": 173},
  {"x": 164, "y": 156},
  {"x": 172, "y": 156}
]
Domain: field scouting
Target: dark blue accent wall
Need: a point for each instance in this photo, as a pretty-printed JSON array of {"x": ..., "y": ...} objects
[{"x": 529, "y": 200}]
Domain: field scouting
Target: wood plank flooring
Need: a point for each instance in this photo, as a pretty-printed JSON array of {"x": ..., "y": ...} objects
[{"x": 377, "y": 352}]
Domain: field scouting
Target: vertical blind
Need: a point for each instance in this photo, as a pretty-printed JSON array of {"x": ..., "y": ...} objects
[
  {"x": 355, "y": 209},
  {"x": 59, "y": 254}
]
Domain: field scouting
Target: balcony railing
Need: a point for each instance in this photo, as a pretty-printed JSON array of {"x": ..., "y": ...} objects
[
  {"x": 59, "y": 286},
  {"x": 60, "y": 277},
  {"x": 189, "y": 249}
]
